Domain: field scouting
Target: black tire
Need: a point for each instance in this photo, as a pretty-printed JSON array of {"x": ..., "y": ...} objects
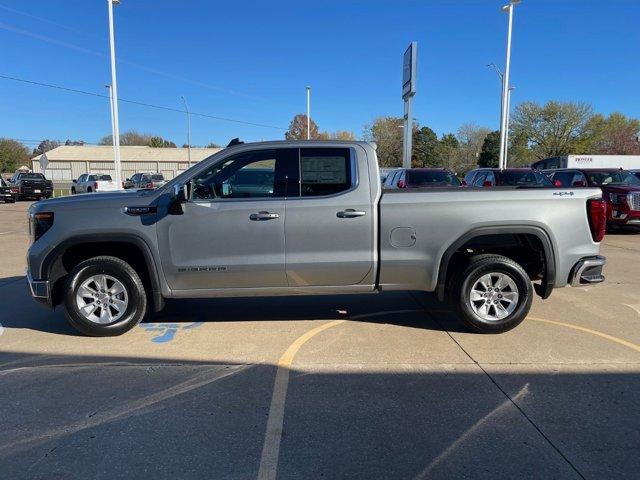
[
  {"x": 478, "y": 266},
  {"x": 89, "y": 190},
  {"x": 73, "y": 191},
  {"x": 137, "y": 306}
]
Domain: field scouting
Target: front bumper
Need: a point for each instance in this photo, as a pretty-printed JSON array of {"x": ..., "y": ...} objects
[
  {"x": 40, "y": 289},
  {"x": 587, "y": 271}
]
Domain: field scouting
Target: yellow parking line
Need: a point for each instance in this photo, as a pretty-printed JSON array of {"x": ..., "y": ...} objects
[
  {"x": 271, "y": 447},
  {"x": 275, "y": 421},
  {"x": 606, "y": 336}
]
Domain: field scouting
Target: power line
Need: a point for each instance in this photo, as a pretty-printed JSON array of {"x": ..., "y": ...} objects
[{"x": 135, "y": 102}]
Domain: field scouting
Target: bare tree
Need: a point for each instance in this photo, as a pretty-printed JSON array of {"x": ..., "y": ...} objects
[{"x": 471, "y": 138}]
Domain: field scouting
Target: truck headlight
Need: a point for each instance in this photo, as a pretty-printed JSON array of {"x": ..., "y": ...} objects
[
  {"x": 39, "y": 223},
  {"x": 617, "y": 198}
]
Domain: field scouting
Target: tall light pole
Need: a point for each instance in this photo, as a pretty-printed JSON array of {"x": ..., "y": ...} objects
[
  {"x": 114, "y": 96},
  {"x": 113, "y": 131},
  {"x": 186, "y": 108},
  {"x": 308, "y": 113},
  {"x": 505, "y": 82},
  {"x": 506, "y": 136}
]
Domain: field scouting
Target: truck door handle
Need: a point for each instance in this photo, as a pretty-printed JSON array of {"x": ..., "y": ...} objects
[
  {"x": 351, "y": 213},
  {"x": 263, "y": 216}
]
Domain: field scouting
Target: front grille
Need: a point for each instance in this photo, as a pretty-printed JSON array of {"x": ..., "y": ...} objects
[{"x": 634, "y": 200}]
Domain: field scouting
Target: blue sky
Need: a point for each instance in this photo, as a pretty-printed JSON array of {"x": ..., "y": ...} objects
[{"x": 251, "y": 61}]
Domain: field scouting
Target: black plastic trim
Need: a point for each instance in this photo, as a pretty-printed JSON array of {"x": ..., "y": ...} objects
[
  {"x": 548, "y": 281},
  {"x": 57, "y": 252}
]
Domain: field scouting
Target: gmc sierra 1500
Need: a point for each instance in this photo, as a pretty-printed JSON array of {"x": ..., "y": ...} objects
[{"x": 309, "y": 217}]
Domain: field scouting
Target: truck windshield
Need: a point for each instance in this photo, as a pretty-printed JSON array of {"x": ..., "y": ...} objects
[
  {"x": 618, "y": 177},
  {"x": 106, "y": 178},
  {"x": 430, "y": 178},
  {"x": 527, "y": 178}
]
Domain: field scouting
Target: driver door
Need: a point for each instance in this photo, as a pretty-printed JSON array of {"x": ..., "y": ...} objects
[{"x": 231, "y": 232}]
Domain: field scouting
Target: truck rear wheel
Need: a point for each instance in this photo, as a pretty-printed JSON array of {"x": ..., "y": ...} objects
[
  {"x": 493, "y": 294},
  {"x": 104, "y": 297}
]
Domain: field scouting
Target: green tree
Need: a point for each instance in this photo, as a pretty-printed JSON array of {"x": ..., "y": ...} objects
[
  {"x": 159, "y": 142},
  {"x": 553, "y": 129},
  {"x": 128, "y": 138},
  {"x": 13, "y": 154},
  {"x": 386, "y": 132},
  {"x": 490, "y": 152},
  {"x": 616, "y": 134},
  {"x": 425, "y": 144},
  {"x": 45, "y": 146},
  {"x": 298, "y": 128},
  {"x": 447, "y": 151}
]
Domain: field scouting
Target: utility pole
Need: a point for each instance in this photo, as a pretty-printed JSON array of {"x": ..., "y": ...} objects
[
  {"x": 114, "y": 97},
  {"x": 186, "y": 108}
]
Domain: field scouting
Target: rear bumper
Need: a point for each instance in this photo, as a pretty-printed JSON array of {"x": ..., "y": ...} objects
[
  {"x": 30, "y": 191},
  {"x": 40, "y": 290},
  {"x": 587, "y": 271}
]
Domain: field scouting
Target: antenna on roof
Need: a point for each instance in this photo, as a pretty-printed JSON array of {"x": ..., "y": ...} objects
[{"x": 235, "y": 141}]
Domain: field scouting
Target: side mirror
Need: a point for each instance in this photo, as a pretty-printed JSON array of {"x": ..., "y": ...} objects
[
  {"x": 180, "y": 193},
  {"x": 128, "y": 180},
  {"x": 579, "y": 183},
  {"x": 487, "y": 183},
  {"x": 557, "y": 183},
  {"x": 74, "y": 181},
  {"x": 464, "y": 183},
  {"x": 401, "y": 184}
]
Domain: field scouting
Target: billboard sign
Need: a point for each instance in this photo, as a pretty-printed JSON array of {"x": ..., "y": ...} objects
[{"x": 409, "y": 70}]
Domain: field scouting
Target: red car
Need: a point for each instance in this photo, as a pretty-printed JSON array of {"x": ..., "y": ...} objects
[{"x": 620, "y": 188}]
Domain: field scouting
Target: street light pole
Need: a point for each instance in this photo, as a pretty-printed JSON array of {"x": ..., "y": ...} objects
[
  {"x": 308, "y": 113},
  {"x": 505, "y": 82},
  {"x": 506, "y": 136},
  {"x": 186, "y": 108},
  {"x": 113, "y": 132},
  {"x": 114, "y": 97}
]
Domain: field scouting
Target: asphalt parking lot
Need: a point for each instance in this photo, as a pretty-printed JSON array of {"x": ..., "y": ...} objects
[{"x": 360, "y": 386}]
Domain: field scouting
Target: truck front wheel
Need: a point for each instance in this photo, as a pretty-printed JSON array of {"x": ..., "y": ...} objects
[
  {"x": 493, "y": 294},
  {"x": 104, "y": 296}
]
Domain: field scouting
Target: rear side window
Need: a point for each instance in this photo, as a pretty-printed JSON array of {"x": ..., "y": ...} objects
[
  {"x": 324, "y": 171},
  {"x": 479, "y": 181},
  {"x": 106, "y": 178},
  {"x": 157, "y": 177}
]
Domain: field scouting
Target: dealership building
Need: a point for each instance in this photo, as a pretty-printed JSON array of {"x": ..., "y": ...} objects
[
  {"x": 66, "y": 163},
  {"x": 627, "y": 162}
]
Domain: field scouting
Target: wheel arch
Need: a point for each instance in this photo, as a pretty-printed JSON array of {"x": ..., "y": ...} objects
[
  {"x": 543, "y": 289},
  {"x": 122, "y": 245}
]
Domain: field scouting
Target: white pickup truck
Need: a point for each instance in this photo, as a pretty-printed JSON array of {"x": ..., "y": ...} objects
[
  {"x": 310, "y": 218},
  {"x": 93, "y": 182}
]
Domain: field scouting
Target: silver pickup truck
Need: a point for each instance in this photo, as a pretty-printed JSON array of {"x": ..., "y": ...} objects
[{"x": 309, "y": 218}]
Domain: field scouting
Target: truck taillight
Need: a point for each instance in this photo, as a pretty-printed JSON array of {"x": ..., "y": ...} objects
[{"x": 597, "y": 213}]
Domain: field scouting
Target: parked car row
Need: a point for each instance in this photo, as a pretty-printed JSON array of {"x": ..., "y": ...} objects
[
  {"x": 620, "y": 188},
  {"x": 100, "y": 182}
]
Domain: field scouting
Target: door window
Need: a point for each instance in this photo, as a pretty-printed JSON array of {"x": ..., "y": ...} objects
[
  {"x": 256, "y": 174},
  {"x": 324, "y": 171}
]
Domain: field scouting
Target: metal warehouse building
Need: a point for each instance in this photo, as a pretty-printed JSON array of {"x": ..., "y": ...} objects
[{"x": 69, "y": 162}]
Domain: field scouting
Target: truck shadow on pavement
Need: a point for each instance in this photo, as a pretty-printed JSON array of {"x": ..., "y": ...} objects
[
  {"x": 124, "y": 417},
  {"x": 21, "y": 311}
]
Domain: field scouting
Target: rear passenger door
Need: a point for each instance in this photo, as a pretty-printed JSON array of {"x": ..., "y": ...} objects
[{"x": 329, "y": 219}]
